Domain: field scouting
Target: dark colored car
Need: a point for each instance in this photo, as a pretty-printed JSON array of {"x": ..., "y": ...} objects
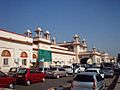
[
  {"x": 108, "y": 71},
  {"x": 6, "y": 81},
  {"x": 28, "y": 76}
]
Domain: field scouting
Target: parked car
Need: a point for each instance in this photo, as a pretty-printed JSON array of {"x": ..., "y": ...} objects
[
  {"x": 28, "y": 76},
  {"x": 79, "y": 69},
  {"x": 6, "y": 81},
  {"x": 88, "y": 81},
  {"x": 56, "y": 72},
  {"x": 116, "y": 67},
  {"x": 108, "y": 71},
  {"x": 69, "y": 69},
  {"x": 97, "y": 70}
]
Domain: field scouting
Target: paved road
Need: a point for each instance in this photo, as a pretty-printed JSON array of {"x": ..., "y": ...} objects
[
  {"x": 108, "y": 81},
  {"x": 55, "y": 83},
  {"x": 47, "y": 84}
]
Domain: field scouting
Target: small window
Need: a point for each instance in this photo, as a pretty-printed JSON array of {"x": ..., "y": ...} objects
[
  {"x": 5, "y": 61},
  {"x": 24, "y": 62},
  {"x": 2, "y": 74},
  {"x": 32, "y": 71},
  {"x": 22, "y": 71},
  {"x": 34, "y": 56},
  {"x": 24, "y": 55},
  {"x": 6, "y": 53},
  {"x": 13, "y": 70}
]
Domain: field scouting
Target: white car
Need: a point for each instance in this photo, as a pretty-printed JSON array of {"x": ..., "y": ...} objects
[
  {"x": 69, "y": 69},
  {"x": 97, "y": 70},
  {"x": 79, "y": 69}
]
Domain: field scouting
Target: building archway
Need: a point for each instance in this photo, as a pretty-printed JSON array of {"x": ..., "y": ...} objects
[
  {"x": 83, "y": 60},
  {"x": 86, "y": 60}
]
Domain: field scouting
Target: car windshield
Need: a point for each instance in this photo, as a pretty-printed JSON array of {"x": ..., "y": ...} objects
[
  {"x": 22, "y": 71},
  {"x": 13, "y": 70},
  {"x": 53, "y": 69},
  {"x": 84, "y": 78}
]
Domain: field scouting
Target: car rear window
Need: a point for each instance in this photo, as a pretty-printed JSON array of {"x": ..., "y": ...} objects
[
  {"x": 53, "y": 69},
  {"x": 66, "y": 66},
  {"x": 22, "y": 71},
  {"x": 84, "y": 78},
  {"x": 91, "y": 71}
]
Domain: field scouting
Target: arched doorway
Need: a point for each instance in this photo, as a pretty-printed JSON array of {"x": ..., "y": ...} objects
[{"x": 86, "y": 60}]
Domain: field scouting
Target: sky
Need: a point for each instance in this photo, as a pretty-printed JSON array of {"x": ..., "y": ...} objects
[{"x": 98, "y": 21}]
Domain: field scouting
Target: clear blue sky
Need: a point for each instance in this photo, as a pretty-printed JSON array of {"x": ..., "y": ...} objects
[{"x": 98, "y": 21}]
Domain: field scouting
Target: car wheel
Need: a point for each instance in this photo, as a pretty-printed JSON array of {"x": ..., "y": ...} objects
[
  {"x": 58, "y": 76},
  {"x": 43, "y": 79},
  {"x": 28, "y": 83},
  {"x": 11, "y": 86}
]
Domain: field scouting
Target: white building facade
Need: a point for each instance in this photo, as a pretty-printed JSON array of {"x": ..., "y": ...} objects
[{"x": 26, "y": 51}]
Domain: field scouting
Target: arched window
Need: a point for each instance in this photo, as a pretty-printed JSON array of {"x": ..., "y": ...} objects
[
  {"x": 23, "y": 55},
  {"x": 34, "y": 56},
  {"x": 6, "y": 53}
]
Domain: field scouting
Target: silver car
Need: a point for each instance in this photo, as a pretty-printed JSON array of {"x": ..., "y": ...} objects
[
  {"x": 88, "y": 81},
  {"x": 56, "y": 72}
]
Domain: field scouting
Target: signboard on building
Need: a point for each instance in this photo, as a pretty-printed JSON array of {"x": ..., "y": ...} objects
[{"x": 44, "y": 55}]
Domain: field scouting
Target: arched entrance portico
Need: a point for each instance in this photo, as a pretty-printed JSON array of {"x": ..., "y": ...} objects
[
  {"x": 83, "y": 60},
  {"x": 86, "y": 60}
]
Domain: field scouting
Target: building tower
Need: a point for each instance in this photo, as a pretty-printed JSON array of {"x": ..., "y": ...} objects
[
  {"x": 47, "y": 35},
  {"x": 76, "y": 45},
  {"x": 39, "y": 32},
  {"x": 28, "y": 33}
]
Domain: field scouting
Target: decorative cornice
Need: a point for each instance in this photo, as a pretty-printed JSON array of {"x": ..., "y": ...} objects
[
  {"x": 15, "y": 41},
  {"x": 42, "y": 42},
  {"x": 59, "y": 48},
  {"x": 14, "y": 33},
  {"x": 35, "y": 49},
  {"x": 63, "y": 53}
]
